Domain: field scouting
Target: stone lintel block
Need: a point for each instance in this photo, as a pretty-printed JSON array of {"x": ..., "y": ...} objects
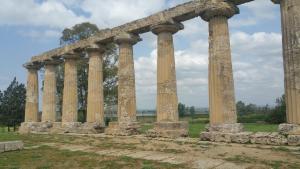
[
  {"x": 169, "y": 130},
  {"x": 294, "y": 140},
  {"x": 11, "y": 146},
  {"x": 268, "y": 138},
  {"x": 226, "y": 128},
  {"x": 122, "y": 129},
  {"x": 289, "y": 129}
]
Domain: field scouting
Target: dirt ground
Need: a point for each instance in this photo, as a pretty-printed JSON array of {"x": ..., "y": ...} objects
[{"x": 182, "y": 153}]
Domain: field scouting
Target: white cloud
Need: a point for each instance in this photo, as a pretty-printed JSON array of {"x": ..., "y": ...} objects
[{"x": 41, "y": 34}]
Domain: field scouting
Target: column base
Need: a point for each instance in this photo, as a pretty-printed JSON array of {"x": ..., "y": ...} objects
[
  {"x": 169, "y": 130},
  {"x": 60, "y": 128},
  {"x": 122, "y": 129}
]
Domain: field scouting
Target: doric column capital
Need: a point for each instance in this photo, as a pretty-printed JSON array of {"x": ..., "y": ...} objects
[
  {"x": 71, "y": 56},
  {"x": 171, "y": 27},
  {"x": 127, "y": 38},
  {"x": 95, "y": 48},
  {"x": 32, "y": 66},
  {"x": 276, "y": 1},
  {"x": 226, "y": 9}
]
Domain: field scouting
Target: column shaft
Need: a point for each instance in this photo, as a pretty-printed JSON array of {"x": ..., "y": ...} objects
[
  {"x": 126, "y": 84},
  {"x": 49, "y": 94},
  {"x": 95, "y": 105},
  {"x": 70, "y": 97},
  {"x": 221, "y": 85},
  {"x": 32, "y": 96},
  {"x": 291, "y": 56},
  {"x": 167, "y": 101}
]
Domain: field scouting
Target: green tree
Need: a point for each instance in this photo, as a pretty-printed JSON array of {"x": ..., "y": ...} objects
[
  {"x": 72, "y": 35},
  {"x": 13, "y": 101},
  {"x": 181, "y": 109},
  {"x": 278, "y": 114}
]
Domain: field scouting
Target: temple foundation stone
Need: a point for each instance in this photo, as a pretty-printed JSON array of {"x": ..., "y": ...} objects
[
  {"x": 168, "y": 124},
  {"x": 127, "y": 123}
]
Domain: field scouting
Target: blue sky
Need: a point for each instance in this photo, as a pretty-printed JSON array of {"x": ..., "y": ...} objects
[{"x": 30, "y": 27}]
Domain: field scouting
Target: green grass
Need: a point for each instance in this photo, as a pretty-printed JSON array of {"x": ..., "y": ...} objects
[
  {"x": 47, "y": 157},
  {"x": 260, "y": 127}
]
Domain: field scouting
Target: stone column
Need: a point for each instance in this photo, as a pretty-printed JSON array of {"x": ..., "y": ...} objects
[
  {"x": 32, "y": 93},
  {"x": 221, "y": 85},
  {"x": 290, "y": 17},
  {"x": 126, "y": 87},
  {"x": 167, "y": 100},
  {"x": 49, "y": 92},
  {"x": 95, "y": 103},
  {"x": 70, "y": 97},
  {"x": 167, "y": 124}
]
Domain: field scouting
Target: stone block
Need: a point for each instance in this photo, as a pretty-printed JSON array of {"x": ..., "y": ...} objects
[
  {"x": 205, "y": 136},
  {"x": 169, "y": 130},
  {"x": 293, "y": 140},
  {"x": 286, "y": 129},
  {"x": 226, "y": 128},
  {"x": 243, "y": 137},
  {"x": 122, "y": 129},
  {"x": 13, "y": 145},
  {"x": 92, "y": 128},
  {"x": 268, "y": 138}
]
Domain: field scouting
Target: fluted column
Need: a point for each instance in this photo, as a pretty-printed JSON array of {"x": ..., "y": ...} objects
[
  {"x": 221, "y": 85},
  {"x": 32, "y": 93},
  {"x": 49, "y": 92},
  {"x": 95, "y": 103},
  {"x": 290, "y": 17},
  {"x": 70, "y": 97},
  {"x": 167, "y": 100},
  {"x": 126, "y": 78}
]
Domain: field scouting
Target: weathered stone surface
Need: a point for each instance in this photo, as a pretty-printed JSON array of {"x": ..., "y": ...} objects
[
  {"x": 2, "y": 147},
  {"x": 291, "y": 57},
  {"x": 126, "y": 79},
  {"x": 122, "y": 129},
  {"x": 13, "y": 145},
  {"x": 169, "y": 130},
  {"x": 226, "y": 128},
  {"x": 167, "y": 100},
  {"x": 294, "y": 140},
  {"x": 179, "y": 13},
  {"x": 95, "y": 101},
  {"x": 29, "y": 127},
  {"x": 70, "y": 97},
  {"x": 286, "y": 129},
  {"x": 242, "y": 138},
  {"x": 49, "y": 92},
  {"x": 32, "y": 93},
  {"x": 221, "y": 85},
  {"x": 268, "y": 138}
]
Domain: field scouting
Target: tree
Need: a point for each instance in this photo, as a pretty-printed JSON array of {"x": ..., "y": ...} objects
[
  {"x": 278, "y": 114},
  {"x": 72, "y": 35},
  {"x": 181, "y": 109},
  {"x": 240, "y": 106},
  {"x": 13, "y": 101}
]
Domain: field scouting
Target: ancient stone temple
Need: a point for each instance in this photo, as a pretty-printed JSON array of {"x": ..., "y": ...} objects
[{"x": 164, "y": 25}]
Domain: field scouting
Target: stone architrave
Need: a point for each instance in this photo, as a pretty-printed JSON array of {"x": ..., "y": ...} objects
[
  {"x": 95, "y": 102},
  {"x": 32, "y": 93},
  {"x": 49, "y": 92},
  {"x": 167, "y": 100},
  {"x": 126, "y": 124},
  {"x": 221, "y": 84},
  {"x": 290, "y": 17},
  {"x": 70, "y": 97}
]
